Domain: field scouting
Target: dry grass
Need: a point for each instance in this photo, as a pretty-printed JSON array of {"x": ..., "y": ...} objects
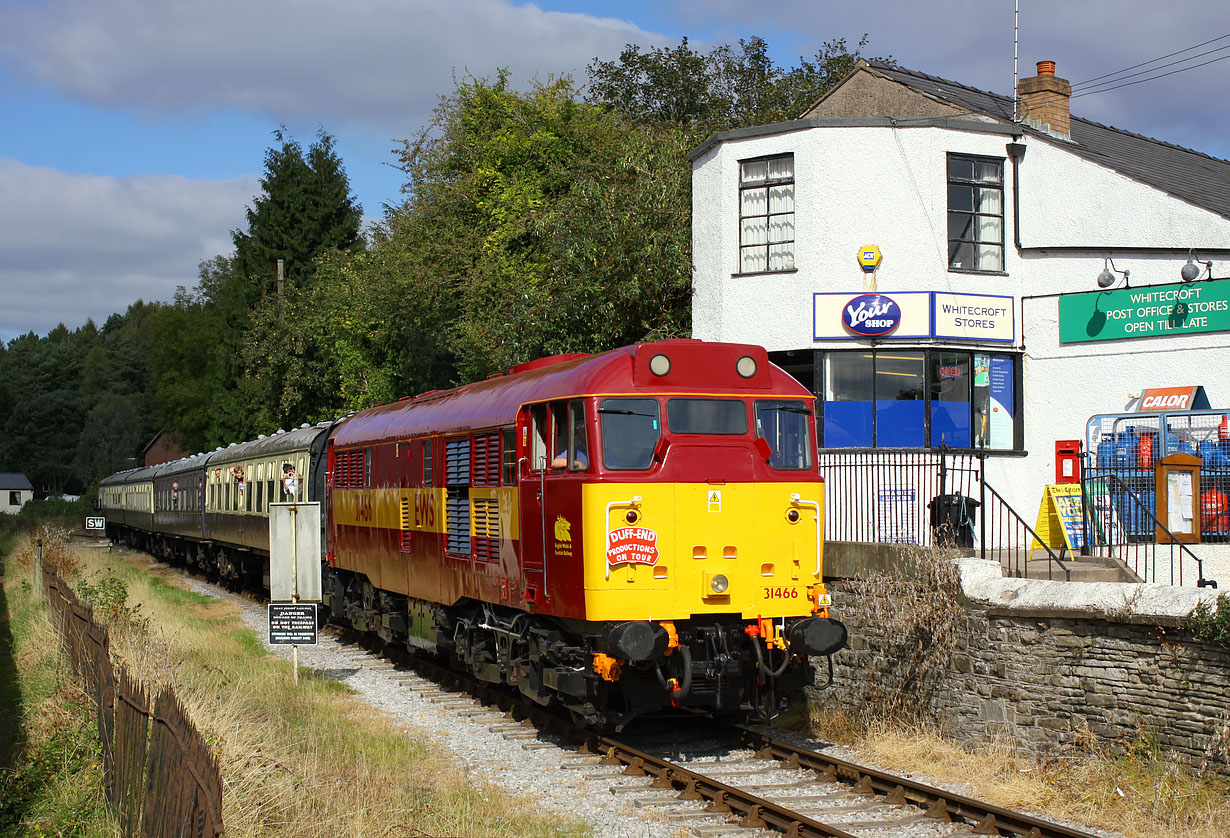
[
  {"x": 302, "y": 759},
  {"x": 1138, "y": 793}
]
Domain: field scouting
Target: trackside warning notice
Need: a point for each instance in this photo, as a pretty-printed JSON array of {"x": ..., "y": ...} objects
[
  {"x": 292, "y": 623},
  {"x": 632, "y": 545}
]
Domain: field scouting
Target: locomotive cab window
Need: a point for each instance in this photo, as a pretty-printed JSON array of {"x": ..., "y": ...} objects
[
  {"x": 707, "y": 416},
  {"x": 631, "y": 429},
  {"x": 786, "y": 426}
]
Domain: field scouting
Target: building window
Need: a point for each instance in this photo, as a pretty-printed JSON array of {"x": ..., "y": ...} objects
[
  {"x": 766, "y": 214},
  {"x": 975, "y": 213},
  {"x": 14, "y": 498},
  {"x": 912, "y": 398}
]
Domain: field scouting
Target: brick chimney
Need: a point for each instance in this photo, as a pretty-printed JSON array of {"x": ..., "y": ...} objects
[{"x": 1044, "y": 102}]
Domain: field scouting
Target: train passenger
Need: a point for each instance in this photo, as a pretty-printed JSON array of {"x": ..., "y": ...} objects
[{"x": 290, "y": 483}]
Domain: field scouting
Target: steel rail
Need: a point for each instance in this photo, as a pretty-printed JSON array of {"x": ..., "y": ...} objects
[{"x": 990, "y": 819}]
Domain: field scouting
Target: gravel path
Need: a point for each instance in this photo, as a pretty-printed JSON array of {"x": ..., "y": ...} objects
[
  {"x": 520, "y": 766},
  {"x": 519, "y": 763}
]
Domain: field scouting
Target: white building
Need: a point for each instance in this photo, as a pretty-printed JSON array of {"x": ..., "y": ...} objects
[
  {"x": 932, "y": 266},
  {"x": 15, "y": 490}
]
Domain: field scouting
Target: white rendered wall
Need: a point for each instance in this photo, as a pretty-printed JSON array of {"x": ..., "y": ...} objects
[{"x": 888, "y": 187}]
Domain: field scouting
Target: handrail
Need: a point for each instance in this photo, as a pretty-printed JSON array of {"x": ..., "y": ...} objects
[
  {"x": 1033, "y": 536},
  {"x": 1201, "y": 582}
]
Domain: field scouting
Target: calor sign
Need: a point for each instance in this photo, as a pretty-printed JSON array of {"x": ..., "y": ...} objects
[{"x": 871, "y": 315}]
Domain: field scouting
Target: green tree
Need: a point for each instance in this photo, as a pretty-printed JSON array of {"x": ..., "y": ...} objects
[
  {"x": 557, "y": 225},
  {"x": 726, "y": 88},
  {"x": 304, "y": 209},
  {"x": 110, "y": 439}
]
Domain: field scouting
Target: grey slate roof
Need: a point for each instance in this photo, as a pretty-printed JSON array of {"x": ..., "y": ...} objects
[
  {"x": 1194, "y": 177},
  {"x": 10, "y": 481}
]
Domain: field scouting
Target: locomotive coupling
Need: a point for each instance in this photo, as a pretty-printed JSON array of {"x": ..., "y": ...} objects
[
  {"x": 817, "y": 636},
  {"x": 638, "y": 640}
]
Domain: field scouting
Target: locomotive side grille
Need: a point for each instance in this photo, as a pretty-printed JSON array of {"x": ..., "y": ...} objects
[
  {"x": 405, "y": 525},
  {"x": 458, "y": 511},
  {"x": 485, "y": 469},
  {"x": 457, "y": 462},
  {"x": 486, "y": 512},
  {"x": 351, "y": 467}
]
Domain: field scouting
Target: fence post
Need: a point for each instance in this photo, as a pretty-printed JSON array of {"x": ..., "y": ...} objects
[{"x": 38, "y": 568}]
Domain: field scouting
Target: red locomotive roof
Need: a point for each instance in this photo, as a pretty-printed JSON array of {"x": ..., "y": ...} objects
[{"x": 694, "y": 367}]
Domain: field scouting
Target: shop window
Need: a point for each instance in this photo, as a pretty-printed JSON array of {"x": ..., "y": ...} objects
[
  {"x": 766, "y": 214},
  {"x": 975, "y": 213},
  {"x": 919, "y": 399},
  {"x": 951, "y": 389}
]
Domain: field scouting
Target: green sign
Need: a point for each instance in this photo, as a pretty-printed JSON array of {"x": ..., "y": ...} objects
[{"x": 1150, "y": 311}]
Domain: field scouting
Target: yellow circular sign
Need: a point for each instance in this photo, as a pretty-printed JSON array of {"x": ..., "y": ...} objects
[{"x": 869, "y": 257}]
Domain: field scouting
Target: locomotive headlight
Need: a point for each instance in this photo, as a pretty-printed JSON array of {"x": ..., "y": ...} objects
[
  {"x": 659, "y": 364},
  {"x": 792, "y": 515},
  {"x": 746, "y": 366},
  {"x": 718, "y": 583}
]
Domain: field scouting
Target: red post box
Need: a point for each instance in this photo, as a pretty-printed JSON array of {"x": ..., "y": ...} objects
[{"x": 1067, "y": 461}]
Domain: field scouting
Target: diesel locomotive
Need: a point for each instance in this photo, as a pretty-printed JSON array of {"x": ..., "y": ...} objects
[{"x": 620, "y": 534}]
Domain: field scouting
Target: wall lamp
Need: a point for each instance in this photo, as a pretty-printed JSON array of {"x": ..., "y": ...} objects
[
  {"x": 1191, "y": 271},
  {"x": 1106, "y": 279}
]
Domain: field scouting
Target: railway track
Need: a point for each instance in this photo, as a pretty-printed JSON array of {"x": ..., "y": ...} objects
[
  {"x": 720, "y": 780},
  {"x": 750, "y": 779}
]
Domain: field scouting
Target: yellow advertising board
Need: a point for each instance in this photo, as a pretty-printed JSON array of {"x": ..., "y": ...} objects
[{"x": 1061, "y": 523}]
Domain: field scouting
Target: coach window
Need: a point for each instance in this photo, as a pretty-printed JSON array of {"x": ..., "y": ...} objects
[
  {"x": 427, "y": 476},
  {"x": 630, "y": 431}
]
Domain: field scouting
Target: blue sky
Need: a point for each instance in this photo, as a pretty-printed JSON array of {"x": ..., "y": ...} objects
[{"x": 134, "y": 131}]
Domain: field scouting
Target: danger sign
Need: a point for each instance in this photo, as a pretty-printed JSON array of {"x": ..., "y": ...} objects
[{"x": 632, "y": 545}]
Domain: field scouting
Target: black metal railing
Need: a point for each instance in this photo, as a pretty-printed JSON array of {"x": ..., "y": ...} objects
[
  {"x": 1121, "y": 518},
  {"x": 1005, "y": 536},
  {"x": 889, "y": 496},
  {"x": 941, "y": 498}
]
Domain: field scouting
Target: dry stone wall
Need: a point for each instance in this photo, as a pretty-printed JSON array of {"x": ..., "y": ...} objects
[{"x": 1043, "y": 677}]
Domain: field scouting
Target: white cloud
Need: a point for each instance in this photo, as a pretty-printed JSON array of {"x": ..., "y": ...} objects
[
  {"x": 380, "y": 63},
  {"x": 81, "y": 246},
  {"x": 971, "y": 42}
]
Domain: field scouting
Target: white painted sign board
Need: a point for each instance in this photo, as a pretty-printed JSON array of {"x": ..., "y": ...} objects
[{"x": 294, "y": 552}]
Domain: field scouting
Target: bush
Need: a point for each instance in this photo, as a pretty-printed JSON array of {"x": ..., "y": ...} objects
[
  {"x": 1211, "y": 624},
  {"x": 69, "y": 514}
]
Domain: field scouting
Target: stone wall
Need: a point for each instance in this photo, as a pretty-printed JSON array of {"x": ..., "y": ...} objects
[{"x": 1044, "y": 678}]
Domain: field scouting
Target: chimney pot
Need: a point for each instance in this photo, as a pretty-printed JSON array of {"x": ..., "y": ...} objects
[{"x": 1044, "y": 101}]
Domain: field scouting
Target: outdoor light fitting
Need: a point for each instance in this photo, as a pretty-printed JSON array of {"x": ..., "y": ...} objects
[
  {"x": 1191, "y": 271},
  {"x": 1106, "y": 279}
]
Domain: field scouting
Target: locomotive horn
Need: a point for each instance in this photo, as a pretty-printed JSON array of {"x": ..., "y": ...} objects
[
  {"x": 817, "y": 636},
  {"x": 639, "y": 640}
]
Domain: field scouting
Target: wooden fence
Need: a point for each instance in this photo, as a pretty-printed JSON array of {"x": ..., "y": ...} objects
[{"x": 161, "y": 779}]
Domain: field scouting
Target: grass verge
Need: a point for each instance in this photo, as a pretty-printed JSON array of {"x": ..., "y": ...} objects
[
  {"x": 302, "y": 759},
  {"x": 50, "y": 760},
  {"x": 1138, "y": 792}
]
